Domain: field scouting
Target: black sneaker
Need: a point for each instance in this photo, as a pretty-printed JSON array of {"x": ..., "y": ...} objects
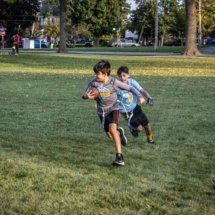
[
  {"x": 134, "y": 132},
  {"x": 150, "y": 141},
  {"x": 118, "y": 160},
  {"x": 122, "y": 136}
]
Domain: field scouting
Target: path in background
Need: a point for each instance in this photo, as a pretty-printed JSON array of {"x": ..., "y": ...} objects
[{"x": 208, "y": 50}]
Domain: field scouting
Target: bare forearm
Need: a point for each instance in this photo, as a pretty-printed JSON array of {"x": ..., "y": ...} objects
[{"x": 145, "y": 93}]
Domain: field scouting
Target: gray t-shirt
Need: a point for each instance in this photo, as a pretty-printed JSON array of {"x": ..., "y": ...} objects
[{"x": 107, "y": 100}]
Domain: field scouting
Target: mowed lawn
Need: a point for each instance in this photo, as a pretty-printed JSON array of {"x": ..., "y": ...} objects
[{"x": 56, "y": 159}]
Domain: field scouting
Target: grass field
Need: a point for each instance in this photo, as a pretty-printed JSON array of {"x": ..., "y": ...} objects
[
  {"x": 174, "y": 49},
  {"x": 55, "y": 158}
]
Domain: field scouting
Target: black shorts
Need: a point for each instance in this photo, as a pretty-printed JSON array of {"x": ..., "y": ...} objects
[
  {"x": 138, "y": 118},
  {"x": 112, "y": 117}
]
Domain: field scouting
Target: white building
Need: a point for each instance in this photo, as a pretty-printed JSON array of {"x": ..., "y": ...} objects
[{"x": 132, "y": 35}]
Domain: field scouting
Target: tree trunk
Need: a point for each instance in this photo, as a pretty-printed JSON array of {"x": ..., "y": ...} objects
[
  {"x": 97, "y": 41},
  {"x": 141, "y": 33},
  {"x": 62, "y": 46},
  {"x": 162, "y": 40},
  {"x": 156, "y": 26},
  {"x": 190, "y": 45}
]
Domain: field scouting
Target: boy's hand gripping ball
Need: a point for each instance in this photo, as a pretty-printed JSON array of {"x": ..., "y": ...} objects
[{"x": 94, "y": 92}]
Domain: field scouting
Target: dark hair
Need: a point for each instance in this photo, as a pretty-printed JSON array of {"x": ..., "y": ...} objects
[
  {"x": 102, "y": 66},
  {"x": 122, "y": 69}
]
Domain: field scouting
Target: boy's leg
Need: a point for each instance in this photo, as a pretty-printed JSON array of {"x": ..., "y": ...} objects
[
  {"x": 140, "y": 121},
  {"x": 114, "y": 134},
  {"x": 122, "y": 136},
  {"x": 149, "y": 134},
  {"x": 128, "y": 118},
  {"x": 110, "y": 127}
]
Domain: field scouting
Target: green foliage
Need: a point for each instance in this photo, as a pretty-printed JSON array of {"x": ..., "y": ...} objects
[
  {"x": 143, "y": 16},
  {"x": 177, "y": 25},
  {"x": 18, "y": 15},
  {"x": 208, "y": 18},
  {"x": 100, "y": 17},
  {"x": 52, "y": 29},
  {"x": 171, "y": 18},
  {"x": 56, "y": 159}
]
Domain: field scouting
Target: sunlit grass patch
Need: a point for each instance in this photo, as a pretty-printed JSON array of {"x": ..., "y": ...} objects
[{"x": 82, "y": 65}]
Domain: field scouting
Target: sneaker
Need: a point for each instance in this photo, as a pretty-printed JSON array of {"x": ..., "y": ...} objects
[
  {"x": 118, "y": 160},
  {"x": 134, "y": 133},
  {"x": 122, "y": 136},
  {"x": 150, "y": 141}
]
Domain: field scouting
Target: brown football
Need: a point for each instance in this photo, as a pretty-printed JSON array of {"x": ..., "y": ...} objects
[{"x": 94, "y": 91}]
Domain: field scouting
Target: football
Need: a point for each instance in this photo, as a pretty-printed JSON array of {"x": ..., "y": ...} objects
[{"x": 94, "y": 91}]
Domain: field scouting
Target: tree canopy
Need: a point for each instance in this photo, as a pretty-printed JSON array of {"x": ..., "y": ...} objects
[
  {"x": 18, "y": 15},
  {"x": 99, "y": 16}
]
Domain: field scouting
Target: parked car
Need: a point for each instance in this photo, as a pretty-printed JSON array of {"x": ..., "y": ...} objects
[
  {"x": 80, "y": 43},
  {"x": 125, "y": 43},
  {"x": 210, "y": 41},
  {"x": 44, "y": 44},
  {"x": 177, "y": 42}
]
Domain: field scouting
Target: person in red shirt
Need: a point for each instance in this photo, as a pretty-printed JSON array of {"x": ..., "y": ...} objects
[{"x": 17, "y": 42}]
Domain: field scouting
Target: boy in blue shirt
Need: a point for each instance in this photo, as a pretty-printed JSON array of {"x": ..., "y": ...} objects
[{"x": 129, "y": 108}]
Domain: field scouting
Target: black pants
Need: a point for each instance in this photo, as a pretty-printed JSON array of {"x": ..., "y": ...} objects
[
  {"x": 17, "y": 48},
  {"x": 138, "y": 118}
]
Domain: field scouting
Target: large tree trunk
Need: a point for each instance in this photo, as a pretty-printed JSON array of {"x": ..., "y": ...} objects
[
  {"x": 141, "y": 33},
  {"x": 190, "y": 46},
  {"x": 62, "y": 46}
]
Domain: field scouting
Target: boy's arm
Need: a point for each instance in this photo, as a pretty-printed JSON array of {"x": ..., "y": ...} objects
[
  {"x": 137, "y": 86},
  {"x": 127, "y": 87},
  {"x": 147, "y": 96},
  {"x": 143, "y": 92},
  {"x": 88, "y": 94}
]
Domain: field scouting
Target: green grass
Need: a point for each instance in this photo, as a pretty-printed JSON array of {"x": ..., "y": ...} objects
[
  {"x": 176, "y": 49},
  {"x": 172, "y": 49},
  {"x": 55, "y": 158}
]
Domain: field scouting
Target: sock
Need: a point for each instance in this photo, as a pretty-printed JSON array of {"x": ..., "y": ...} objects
[
  {"x": 119, "y": 155},
  {"x": 150, "y": 136}
]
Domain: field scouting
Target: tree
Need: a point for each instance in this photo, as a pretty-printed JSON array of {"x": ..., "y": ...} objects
[
  {"x": 177, "y": 26},
  {"x": 100, "y": 16},
  {"x": 208, "y": 18},
  {"x": 142, "y": 21},
  {"x": 191, "y": 38},
  {"x": 52, "y": 29},
  {"x": 17, "y": 15},
  {"x": 65, "y": 7}
]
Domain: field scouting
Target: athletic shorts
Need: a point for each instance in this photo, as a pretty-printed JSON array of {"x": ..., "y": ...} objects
[
  {"x": 138, "y": 118},
  {"x": 112, "y": 117}
]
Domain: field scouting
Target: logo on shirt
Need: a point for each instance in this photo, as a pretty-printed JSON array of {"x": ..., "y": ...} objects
[
  {"x": 104, "y": 92},
  {"x": 127, "y": 98}
]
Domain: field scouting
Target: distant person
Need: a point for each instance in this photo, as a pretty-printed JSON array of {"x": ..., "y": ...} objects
[
  {"x": 13, "y": 51},
  {"x": 129, "y": 108},
  {"x": 1, "y": 43},
  {"x": 107, "y": 105},
  {"x": 17, "y": 40}
]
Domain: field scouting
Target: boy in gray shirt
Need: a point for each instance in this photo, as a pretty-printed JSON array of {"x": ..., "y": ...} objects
[{"x": 107, "y": 105}]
